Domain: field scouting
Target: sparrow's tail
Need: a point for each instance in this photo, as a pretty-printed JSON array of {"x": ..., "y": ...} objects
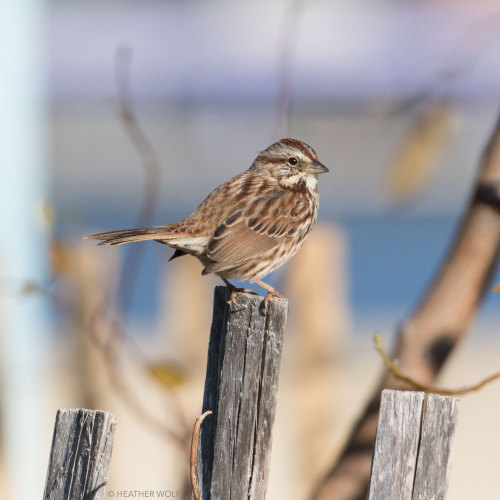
[{"x": 160, "y": 233}]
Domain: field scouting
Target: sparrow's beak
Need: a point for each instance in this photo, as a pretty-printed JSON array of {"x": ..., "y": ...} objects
[{"x": 318, "y": 168}]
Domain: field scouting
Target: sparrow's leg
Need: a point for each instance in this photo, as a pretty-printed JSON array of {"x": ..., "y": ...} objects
[
  {"x": 234, "y": 290},
  {"x": 271, "y": 292}
]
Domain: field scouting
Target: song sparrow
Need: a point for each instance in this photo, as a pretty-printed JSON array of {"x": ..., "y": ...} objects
[{"x": 249, "y": 225}]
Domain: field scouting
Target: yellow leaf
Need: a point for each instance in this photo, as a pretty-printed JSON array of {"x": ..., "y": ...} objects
[
  {"x": 45, "y": 214},
  {"x": 61, "y": 260},
  {"x": 29, "y": 288},
  {"x": 168, "y": 375},
  {"x": 420, "y": 152}
]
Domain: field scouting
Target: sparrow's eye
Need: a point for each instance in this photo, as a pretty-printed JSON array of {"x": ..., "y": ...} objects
[{"x": 292, "y": 161}]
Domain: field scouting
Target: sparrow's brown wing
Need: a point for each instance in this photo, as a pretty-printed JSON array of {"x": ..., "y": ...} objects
[{"x": 251, "y": 231}]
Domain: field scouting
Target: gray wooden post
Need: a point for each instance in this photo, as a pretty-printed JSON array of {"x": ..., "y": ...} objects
[
  {"x": 412, "y": 458},
  {"x": 244, "y": 356},
  {"x": 396, "y": 445},
  {"x": 80, "y": 455},
  {"x": 436, "y": 441}
]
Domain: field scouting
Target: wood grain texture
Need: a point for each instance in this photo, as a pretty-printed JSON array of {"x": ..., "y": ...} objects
[
  {"x": 80, "y": 455},
  {"x": 243, "y": 364},
  {"x": 436, "y": 442},
  {"x": 396, "y": 445}
]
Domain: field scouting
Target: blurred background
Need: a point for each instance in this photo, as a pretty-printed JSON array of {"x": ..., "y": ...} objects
[{"x": 117, "y": 114}]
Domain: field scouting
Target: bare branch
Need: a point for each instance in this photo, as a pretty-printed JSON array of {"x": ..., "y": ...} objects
[
  {"x": 287, "y": 43},
  {"x": 438, "y": 324},
  {"x": 152, "y": 173}
]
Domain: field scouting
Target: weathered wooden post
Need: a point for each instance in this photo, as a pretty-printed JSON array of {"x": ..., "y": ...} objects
[
  {"x": 80, "y": 455},
  {"x": 241, "y": 384},
  {"x": 413, "y": 446}
]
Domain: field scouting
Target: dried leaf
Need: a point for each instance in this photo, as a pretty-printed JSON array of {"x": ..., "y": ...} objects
[{"x": 496, "y": 288}]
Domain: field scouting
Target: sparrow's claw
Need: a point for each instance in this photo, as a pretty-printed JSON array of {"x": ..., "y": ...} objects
[
  {"x": 270, "y": 294},
  {"x": 234, "y": 290},
  {"x": 232, "y": 298}
]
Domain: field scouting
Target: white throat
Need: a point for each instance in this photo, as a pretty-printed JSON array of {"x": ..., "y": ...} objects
[{"x": 311, "y": 182}]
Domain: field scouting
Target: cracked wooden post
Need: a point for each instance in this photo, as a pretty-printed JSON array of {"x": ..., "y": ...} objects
[
  {"x": 241, "y": 384},
  {"x": 80, "y": 455},
  {"x": 413, "y": 446}
]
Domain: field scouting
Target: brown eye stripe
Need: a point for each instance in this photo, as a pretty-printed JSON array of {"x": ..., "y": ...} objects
[{"x": 270, "y": 159}]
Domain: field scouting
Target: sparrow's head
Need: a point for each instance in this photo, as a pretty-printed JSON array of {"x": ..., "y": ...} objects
[{"x": 292, "y": 162}]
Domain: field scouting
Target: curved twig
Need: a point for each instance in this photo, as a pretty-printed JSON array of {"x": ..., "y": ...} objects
[
  {"x": 194, "y": 448},
  {"x": 394, "y": 369}
]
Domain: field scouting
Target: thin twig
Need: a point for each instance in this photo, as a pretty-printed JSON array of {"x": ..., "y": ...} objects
[
  {"x": 107, "y": 345},
  {"x": 122, "y": 389},
  {"x": 149, "y": 204},
  {"x": 194, "y": 449},
  {"x": 394, "y": 369},
  {"x": 152, "y": 174},
  {"x": 468, "y": 52},
  {"x": 111, "y": 343},
  {"x": 127, "y": 395},
  {"x": 286, "y": 48}
]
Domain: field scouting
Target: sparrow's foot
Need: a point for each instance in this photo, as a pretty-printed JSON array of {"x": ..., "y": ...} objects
[
  {"x": 271, "y": 292},
  {"x": 234, "y": 290},
  {"x": 270, "y": 295}
]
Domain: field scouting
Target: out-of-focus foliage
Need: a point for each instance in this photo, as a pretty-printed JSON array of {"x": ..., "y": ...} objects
[
  {"x": 419, "y": 155},
  {"x": 169, "y": 375}
]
